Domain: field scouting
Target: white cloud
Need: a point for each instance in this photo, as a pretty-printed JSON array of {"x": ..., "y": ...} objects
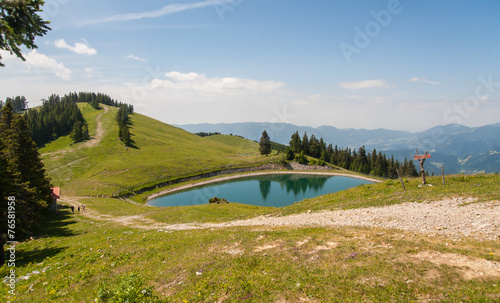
[
  {"x": 424, "y": 80},
  {"x": 136, "y": 58},
  {"x": 41, "y": 62},
  {"x": 200, "y": 83},
  {"x": 7, "y": 57},
  {"x": 166, "y": 10},
  {"x": 89, "y": 72},
  {"x": 92, "y": 73},
  {"x": 363, "y": 84},
  {"x": 79, "y": 47}
]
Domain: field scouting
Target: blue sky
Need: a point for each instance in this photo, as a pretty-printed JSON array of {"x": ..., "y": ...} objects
[{"x": 406, "y": 65}]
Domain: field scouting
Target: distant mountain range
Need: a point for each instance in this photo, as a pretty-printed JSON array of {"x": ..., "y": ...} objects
[{"x": 460, "y": 149}]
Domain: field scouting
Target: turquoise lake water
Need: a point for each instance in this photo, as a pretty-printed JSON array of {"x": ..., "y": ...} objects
[{"x": 275, "y": 190}]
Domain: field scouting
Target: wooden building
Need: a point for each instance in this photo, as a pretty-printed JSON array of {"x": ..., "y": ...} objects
[{"x": 55, "y": 194}]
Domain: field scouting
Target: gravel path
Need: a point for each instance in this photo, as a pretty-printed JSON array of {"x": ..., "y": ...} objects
[{"x": 456, "y": 217}]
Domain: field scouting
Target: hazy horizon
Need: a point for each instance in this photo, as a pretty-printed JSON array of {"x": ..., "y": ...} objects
[{"x": 399, "y": 65}]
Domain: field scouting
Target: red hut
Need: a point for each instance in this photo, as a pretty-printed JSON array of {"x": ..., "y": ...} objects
[{"x": 55, "y": 194}]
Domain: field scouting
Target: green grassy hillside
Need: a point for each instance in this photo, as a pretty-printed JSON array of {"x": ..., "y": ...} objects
[
  {"x": 83, "y": 259},
  {"x": 159, "y": 151}
]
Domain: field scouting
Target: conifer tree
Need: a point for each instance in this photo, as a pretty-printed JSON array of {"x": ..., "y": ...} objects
[
  {"x": 329, "y": 152},
  {"x": 85, "y": 131},
  {"x": 23, "y": 175},
  {"x": 20, "y": 24},
  {"x": 314, "y": 147},
  {"x": 77, "y": 132},
  {"x": 6, "y": 188},
  {"x": 125, "y": 135},
  {"x": 305, "y": 144},
  {"x": 265, "y": 144},
  {"x": 324, "y": 156},
  {"x": 290, "y": 155},
  {"x": 295, "y": 143}
]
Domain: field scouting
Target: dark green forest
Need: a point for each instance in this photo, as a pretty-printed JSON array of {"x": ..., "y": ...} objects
[
  {"x": 24, "y": 186},
  {"x": 374, "y": 163},
  {"x": 60, "y": 116},
  {"x": 18, "y": 103},
  {"x": 55, "y": 118}
]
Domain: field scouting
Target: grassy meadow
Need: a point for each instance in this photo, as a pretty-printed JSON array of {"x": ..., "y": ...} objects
[{"x": 79, "y": 259}]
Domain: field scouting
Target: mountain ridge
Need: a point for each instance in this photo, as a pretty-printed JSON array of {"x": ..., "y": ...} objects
[{"x": 451, "y": 143}]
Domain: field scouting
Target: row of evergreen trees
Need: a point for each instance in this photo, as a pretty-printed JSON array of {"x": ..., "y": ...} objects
[
  {"x": 18, "y": 103},
  {"x": 205, "y": 134},
  {"x": 93, "y": 99},
  {"x": 61, "y": 116},
  {"x": 24, "y": 186},
  {"x": 56, "y": 117},
  {"x": 122, "y": 117},
  {"x": 374, "y": 163}
]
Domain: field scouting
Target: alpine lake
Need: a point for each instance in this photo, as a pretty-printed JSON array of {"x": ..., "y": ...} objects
[{"x": 270, "y": 190}]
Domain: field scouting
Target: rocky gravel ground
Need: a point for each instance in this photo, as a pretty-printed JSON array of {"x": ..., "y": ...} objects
[{"x": 456, "y": 217}]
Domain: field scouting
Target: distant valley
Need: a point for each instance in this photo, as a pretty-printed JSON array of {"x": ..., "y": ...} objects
[{"x": 460, "y": 149}]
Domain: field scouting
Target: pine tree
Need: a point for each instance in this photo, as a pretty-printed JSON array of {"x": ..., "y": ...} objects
[
  {"x": 324, "y": 156},
  {"x": 265, "y": 144},
  {"x": 23, "y": 174},
  {"x": 77, "y": 132},
  {"x": 362, "y": 161},
  {"x": 295, "y": 143},
  {"x": 305, "y": 144},
  {"x": 6, "y": 187},
  {"x": 95, "y": 104},
  {"x": 125, "y": 135},
  {"x": 290, "y": 155},
  {"x": 20, "y": 24},
  {"x": 329, "y": 152},
  {"x": 314, "y": 147},
  {"x": 85, "y": 131}
]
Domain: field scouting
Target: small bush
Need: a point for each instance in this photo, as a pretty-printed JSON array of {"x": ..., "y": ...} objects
[
  {"x": 290, "y": 155},
  {"x": 282, "y": 160},
  {"x": 130, "y": 289},
  {"x": 217, "y": 200},
  {"x": 301, "y": 158}
]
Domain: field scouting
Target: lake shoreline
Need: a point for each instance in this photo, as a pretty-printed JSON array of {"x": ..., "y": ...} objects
[{"x": 242, "y": 175}]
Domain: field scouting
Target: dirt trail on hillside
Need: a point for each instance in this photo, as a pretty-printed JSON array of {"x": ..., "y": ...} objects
[
  {"x": 453, "y": 217},
  {"x": 99, "y": 132},
  {"x": 92, "y": 142}
]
